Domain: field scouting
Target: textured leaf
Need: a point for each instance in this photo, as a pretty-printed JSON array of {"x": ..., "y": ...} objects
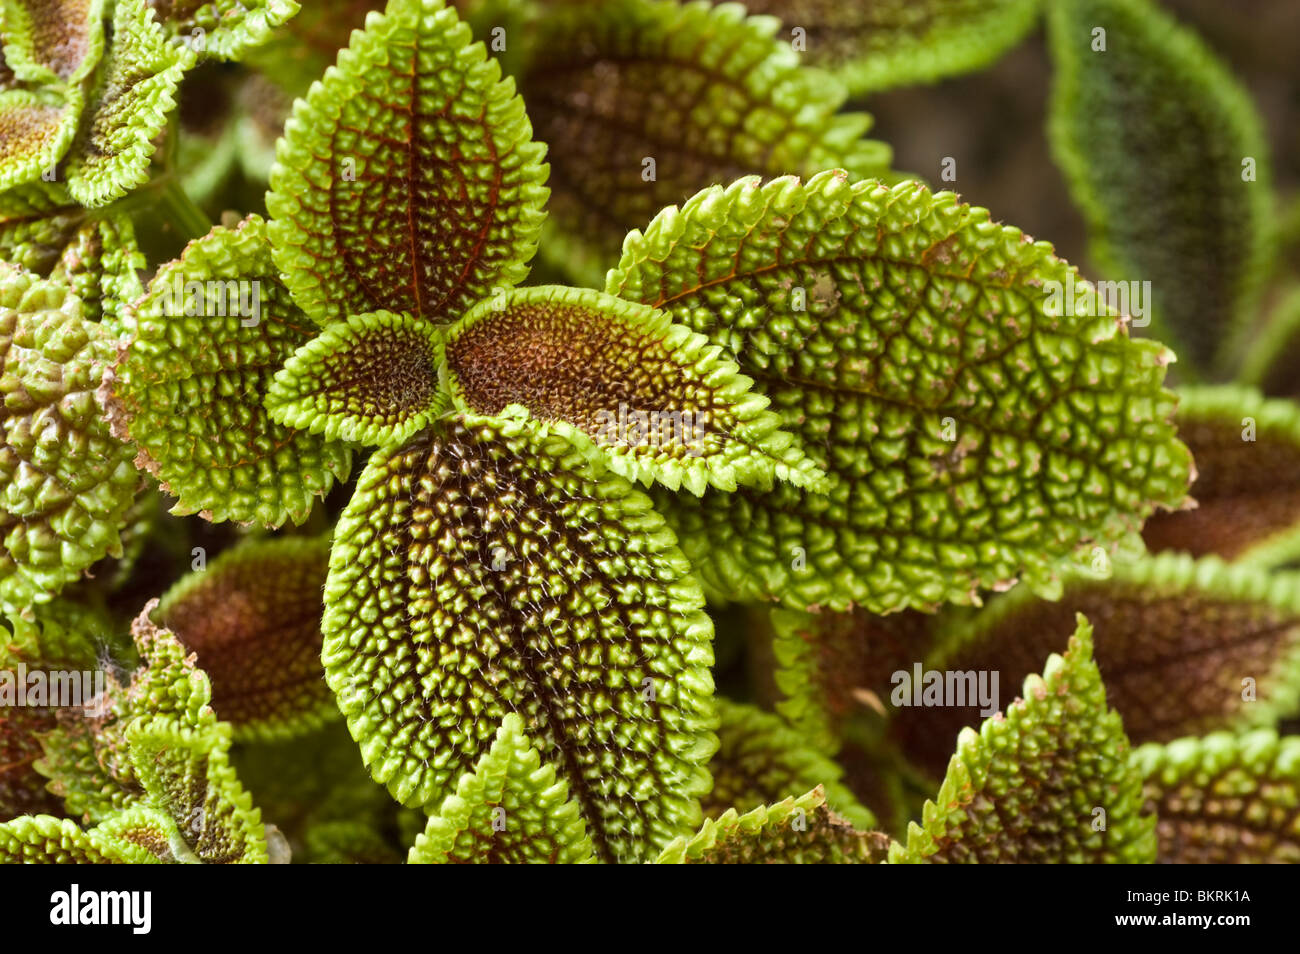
[
  {"x": 253, "y": 620},
  {"x": 407, "y": 180},
  {"x": 652, "y": 399},
  {"x": 781, "y": 833},
  {"x": 1247, "y": 487},
  {"x": 833, "y": 666},
  {"x": 42, "y": 839},
  {"x": 971, "y": 436},
  {"x": 761, "y": 760},
  {"x": 127, "y": 108},
  {"x": 52, "y": 41},
  {"x": 371, "y": 379},
  {"x": 186, "y": 775},
  {"x": 1026, "y": 788},
  {"x": 510, "y": 810},
  {"x": 65, "y": 482},
  {"x": 705, "y": 92},
  {"x": 1224, "y": 799},
  {"x": 146, "y": 835},
  {"x": 189, "y": 386},
  {"x": 36, "y": 128},
  {"x": 482, "y": 569},
  {"x": 224, "y": 29},
  {"x": 1186, "y": 647},
  {"x": 1151, "y": 134},
  {"x": 877, "y": 45}
]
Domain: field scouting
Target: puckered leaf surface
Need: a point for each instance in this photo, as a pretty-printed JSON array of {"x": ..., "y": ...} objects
[
  {"x": 793, "y": 831},
  {"x": 188, "y": 388},
  {"x": 1028, "y": 787},
  {"x": 1247, "y": 487},
  {"x": 652, "y": 399},
  {"x": 253, "y": 620},
  {"x": 36, "y": 128},
  {"x": 1186, "y": 647},
  {"x": 761, "y": 760},
  {"x": 407, "y": 180},
  {"x": 65, "y": 481},
  {"x": 510, "y": 810},
  {"x": 1152, "y": 133},
  {"x": 972, "y": 437},
  {"x": 1224, "y": 798},
  {"x": 127, "y": 107},
  {"x": 885, "y": 43},
  {"x": 43, "y": 839},
  {"x": 481, "y": 569},
  {"x": 52, "y": 41},
  {"x": 224, "y": 29},
  {"x": 372, "y": 379},
  {"x": 704, "y": 91}
]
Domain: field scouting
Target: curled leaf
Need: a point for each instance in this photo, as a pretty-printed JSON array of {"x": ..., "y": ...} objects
[
  {"x": 482, "y": 569},
  {"x": 37, "y": 127},
  {"x": 223, "y": 29},
  {"x": 972, "y": 434},
  {"x": 42, "y": 839},
  {"x": 652, "y": 399},
  {"x": 52, "y": 41}
]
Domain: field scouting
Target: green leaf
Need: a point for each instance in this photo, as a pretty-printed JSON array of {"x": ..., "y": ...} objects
[
  {"x": 482, "y": 569},
  {"x": 187, "y": 389},
  {"x": 223, "y": 29},
  {"x": 510, "y": 810},
  {"x": 186, "y": 775},
  {"x": 972, "y": 435},
  {"x": 761, "y": 760},
  {"x": 147, "y": 835},
  {"x": 703, "y": 91},
  {"x": 831, "y": 667},
  {"x": 651, "y": 399},
  {"x": 1224, "y": 799},
  {"x": 781, "y": 833},
  {"x": 1247, "y": 487},
  {"x": 52, "y": 41},
  {"x": 42, "y": 839},
  {"x": 878, "y": 45},
  {"x": 253, "y": 620},
  {"x": 1152, "y": 133},
  {"x": 1050, "y": 781},
  {"x": 39, "y": 126},
  {"x": 1187, "y": 647},
  {"x": 65, "y": 482},
  {"x": 407, "y": 180},
  {"x": 127, "y": 108},
  {"x": 372, "y": 379}
]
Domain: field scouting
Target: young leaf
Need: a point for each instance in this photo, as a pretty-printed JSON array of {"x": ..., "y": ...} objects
[
  {"x": 1050, "y": 781},
  {"x": 52, "y": 41},
  {"x": 1166, "y": 158},
  {"x": 223, "y": 29},
  {"x": 407, "y": 180},
  {"x": 1247, "y": 487},
  {"x": 832, "y": 666},
  {"x": 651, "y": 399},
  {"x": 149, "y": 836},
  {"x": 783, "y": 833},
  {"x": 761, "y": 760},
  {"x": 42, "y": 839},
  {"x": 65, "y": 482},
  {"x": 482, "y": 568},
  {"x": 252, "y": 618},
  {"x": 188, "y": 387},
  {"x": 372, "y": 379},
  {"x": 875, "y": 46},
  {"x": 39, "y": 126},
  {"x": 128, "y": 107},
  {"x": 1224, "y": 799},
  {"x": 643, "y": 102},
  {"x": 510, "y": 810},
  {"x": 1186, "y": 647},
  {"x": 973, "y": 434}
]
